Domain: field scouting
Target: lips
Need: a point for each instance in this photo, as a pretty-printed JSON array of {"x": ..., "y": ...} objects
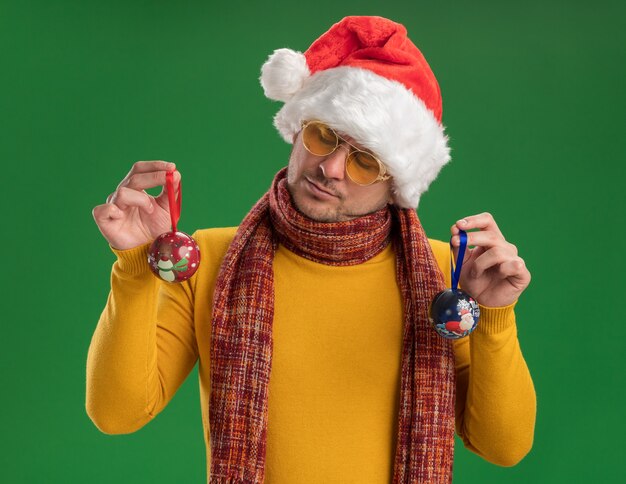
[{"x": 318, "y": 188}]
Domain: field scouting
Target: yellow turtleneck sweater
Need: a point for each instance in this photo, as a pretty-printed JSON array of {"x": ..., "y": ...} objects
[{"x": 335, "y": 379}]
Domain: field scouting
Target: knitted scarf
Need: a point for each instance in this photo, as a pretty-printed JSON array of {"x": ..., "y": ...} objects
[{"x": 241, "y": 345}]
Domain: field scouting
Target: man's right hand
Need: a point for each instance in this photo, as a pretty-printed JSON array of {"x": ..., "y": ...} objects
[{"x": 131, "y": 217}]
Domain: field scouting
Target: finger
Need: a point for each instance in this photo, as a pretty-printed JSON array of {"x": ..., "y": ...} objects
[
  {"x": 482, "y": 238},
  {"x": 125, "y": 197},
  {"x": 482, "y": 221},
  {"x": 106, "y": 211},
  {"x": 155, "y": 165},
  {"x": 494, "y": 257},
  {"x": 468, "y": 257},
  {"x": 147, "y": 167},
  {"x": 162, "y": 198},
  {"x": 142, "y": 181},
  {"x": 515, "y": 268}
]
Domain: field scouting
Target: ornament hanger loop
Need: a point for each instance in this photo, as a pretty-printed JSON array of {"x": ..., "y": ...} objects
[
  {"x": 174, "y": 203},
  {"x": 455, "y": 269}
]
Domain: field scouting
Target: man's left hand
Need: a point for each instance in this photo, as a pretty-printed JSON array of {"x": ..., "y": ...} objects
[{"x": 492, "y": 272}]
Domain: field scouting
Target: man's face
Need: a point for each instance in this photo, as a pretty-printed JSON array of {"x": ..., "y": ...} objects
[{"x": 322, "y": 191}]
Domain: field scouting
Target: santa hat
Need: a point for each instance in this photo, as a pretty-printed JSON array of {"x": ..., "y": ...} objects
[{"x": 365, "y": 78}]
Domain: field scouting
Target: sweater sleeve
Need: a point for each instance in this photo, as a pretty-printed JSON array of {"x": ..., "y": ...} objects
[
  {"x": 143, "y": 346},
  {"x": 495, "y": 401}
]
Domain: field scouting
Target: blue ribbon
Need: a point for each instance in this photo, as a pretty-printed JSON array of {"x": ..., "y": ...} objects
[{"x": 455, "y": 270}]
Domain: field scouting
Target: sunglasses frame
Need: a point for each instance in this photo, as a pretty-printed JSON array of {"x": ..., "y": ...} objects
[{"x": 382, "y": 169}]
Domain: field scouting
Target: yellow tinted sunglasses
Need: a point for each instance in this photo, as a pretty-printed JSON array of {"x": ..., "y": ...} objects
[{"x": 363, "y": 167}]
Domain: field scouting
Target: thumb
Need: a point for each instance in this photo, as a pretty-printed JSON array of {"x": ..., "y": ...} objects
[
  {"x": 458, "y": 239},
  {"x": 455, "y": 241},
  {"x": 163, "y": 199}
]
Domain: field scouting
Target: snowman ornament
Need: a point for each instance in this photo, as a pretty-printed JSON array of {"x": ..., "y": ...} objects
[{"x": 174, "y": 256}]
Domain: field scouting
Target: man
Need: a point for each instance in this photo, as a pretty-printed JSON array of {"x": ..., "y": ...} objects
[{"x": 325, "y": 287}]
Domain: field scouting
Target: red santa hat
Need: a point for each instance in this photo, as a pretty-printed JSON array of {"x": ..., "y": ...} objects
[{"x": 365, "y": 78}]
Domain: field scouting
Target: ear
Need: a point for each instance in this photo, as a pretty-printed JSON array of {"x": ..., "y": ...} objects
[{"x": 391, "y": 199}]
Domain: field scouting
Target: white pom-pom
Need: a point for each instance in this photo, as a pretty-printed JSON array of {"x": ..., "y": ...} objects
[{"x": 283, "y": 74}]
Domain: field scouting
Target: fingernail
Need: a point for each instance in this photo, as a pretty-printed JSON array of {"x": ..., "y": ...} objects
[{"x": 462, "y": 221}]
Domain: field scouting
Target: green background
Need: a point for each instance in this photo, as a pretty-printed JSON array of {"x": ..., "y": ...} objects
[{"x": 533, "y": 104}]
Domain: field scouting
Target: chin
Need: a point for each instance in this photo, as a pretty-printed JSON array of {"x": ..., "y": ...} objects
[
  {"x": 317, "y": 213},
  {"x": 310, "y": 207}
]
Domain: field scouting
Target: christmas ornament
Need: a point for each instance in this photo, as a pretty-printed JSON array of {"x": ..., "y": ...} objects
[
  {"x": 174, "y": 256},
  {"x": 454, "y": 313}
]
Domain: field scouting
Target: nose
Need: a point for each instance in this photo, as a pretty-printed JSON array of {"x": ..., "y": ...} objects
[{"x": 334, "y": 165}]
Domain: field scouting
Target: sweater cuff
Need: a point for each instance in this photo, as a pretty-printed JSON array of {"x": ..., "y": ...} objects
[
  {"x": 496, "y": 319},
  {"x": 132, "y": 261}
]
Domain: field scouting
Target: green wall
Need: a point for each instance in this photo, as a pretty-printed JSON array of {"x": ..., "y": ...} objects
[{"x": 533, "y": 103}]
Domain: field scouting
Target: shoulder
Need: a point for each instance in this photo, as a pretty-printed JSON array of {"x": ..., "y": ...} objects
[
  {"x": 213, "y": 243},
  {"x": 441, "y": 251},
  {"x": 439, "y": 248},
  {"x": 216, "y": 235}
]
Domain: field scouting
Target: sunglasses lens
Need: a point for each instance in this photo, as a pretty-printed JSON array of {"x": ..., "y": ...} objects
[
  {"x": 320, "y": 140},
  {"x": 362, "y": 167}
]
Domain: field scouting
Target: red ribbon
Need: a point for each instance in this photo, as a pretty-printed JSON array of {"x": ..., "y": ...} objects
[{"x": 175, "y": 204}]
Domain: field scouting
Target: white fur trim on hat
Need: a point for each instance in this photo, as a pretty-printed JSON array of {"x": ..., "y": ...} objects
[
  {"x": 381, "y": 115},
  {"x": 283, "y": 74}
]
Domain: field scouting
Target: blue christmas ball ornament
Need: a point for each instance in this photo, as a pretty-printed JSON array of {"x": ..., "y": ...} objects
[{"x": 454, "y": 314}]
